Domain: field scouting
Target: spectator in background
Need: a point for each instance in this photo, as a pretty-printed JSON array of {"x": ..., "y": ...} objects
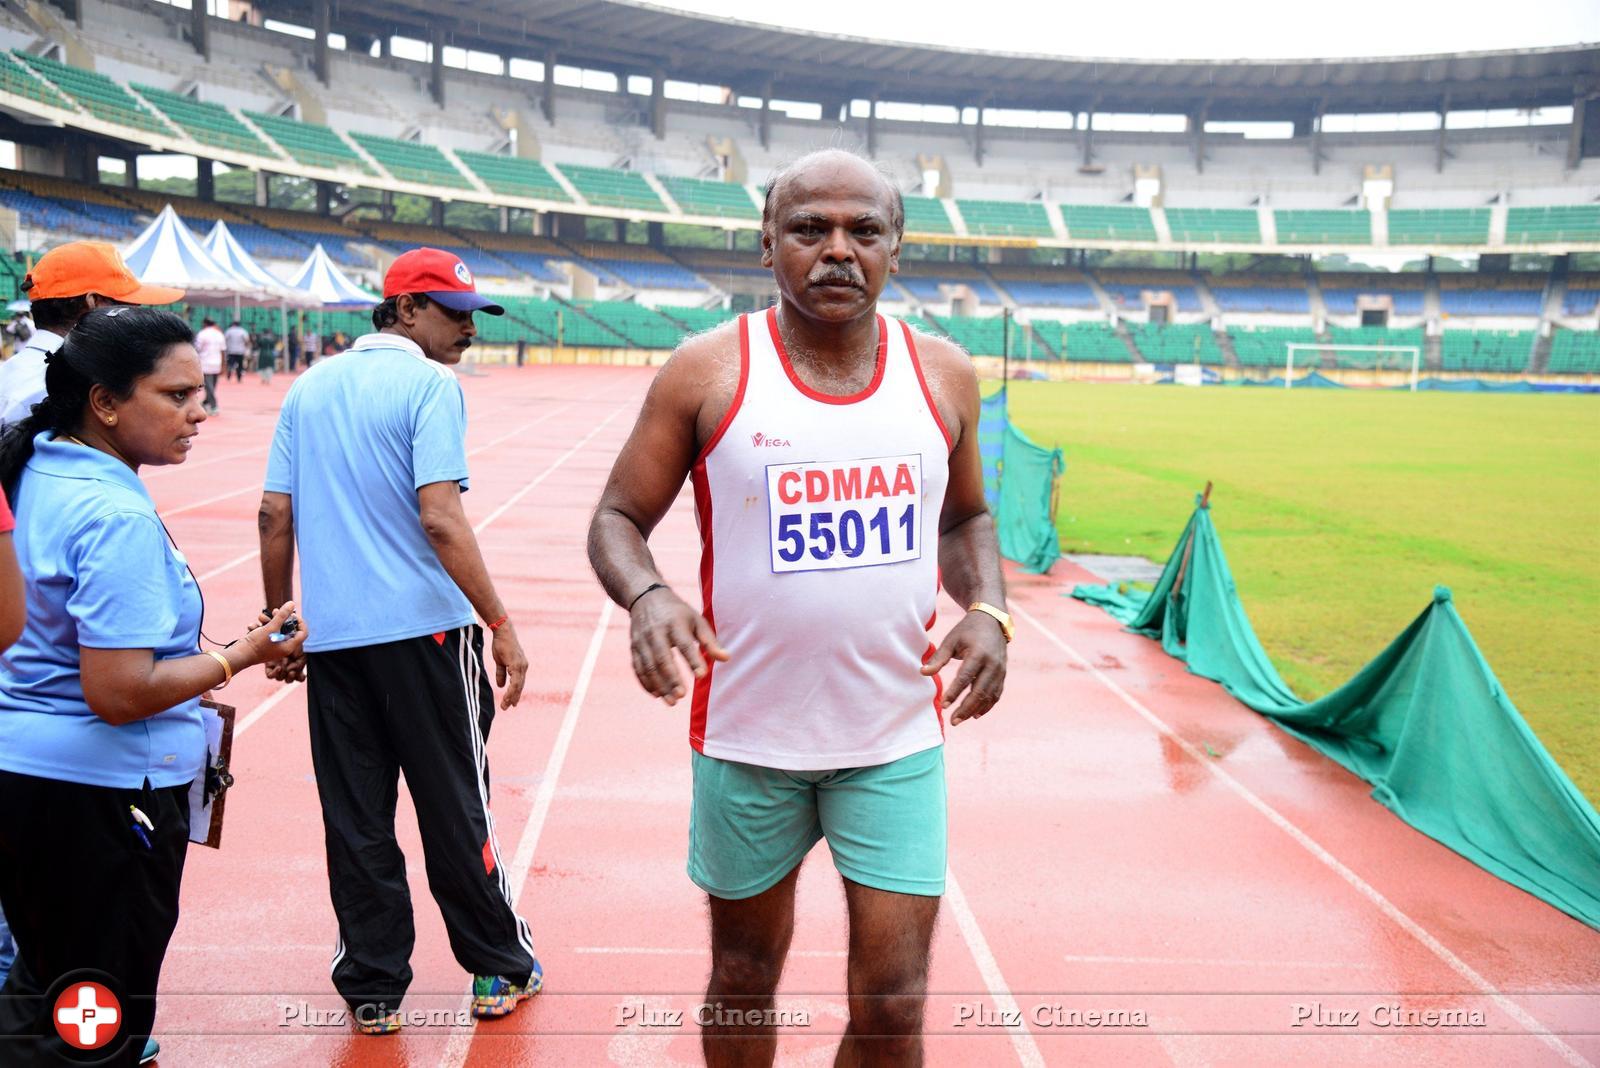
[
  {"x": 19, "y": 330},
  {"x": 236, "y": 343},
  {"x": 291, "y": 349},
  {"x": 209, "y": 343},
  {"x": 311, "y": 345},
  {"x": 66, "y": 283},
  {"x": 266, "y": 343}
]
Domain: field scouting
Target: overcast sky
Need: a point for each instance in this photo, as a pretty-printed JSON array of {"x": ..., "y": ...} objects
[{"x": 1191, "y": 29}]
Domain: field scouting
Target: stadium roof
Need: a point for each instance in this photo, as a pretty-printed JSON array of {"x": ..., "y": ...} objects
[{"x": 635, "y": 38}]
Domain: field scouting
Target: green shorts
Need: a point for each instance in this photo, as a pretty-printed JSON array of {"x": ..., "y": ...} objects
[{"x": 749, "y": 826}]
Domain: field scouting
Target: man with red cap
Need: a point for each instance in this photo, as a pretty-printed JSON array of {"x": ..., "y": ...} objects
[
  {"x": 366, "y": 474},
  {"x": 66, "y": 283}
]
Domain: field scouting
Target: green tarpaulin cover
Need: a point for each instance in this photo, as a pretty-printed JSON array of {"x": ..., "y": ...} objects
[
  {"x": 1426, "y": 723},
  {"x": 1018, "y": 480}
]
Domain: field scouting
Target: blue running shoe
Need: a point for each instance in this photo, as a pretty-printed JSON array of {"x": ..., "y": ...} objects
[
  {"x": 152, "y": 1050},
  {"x": 495, "y": 995}
]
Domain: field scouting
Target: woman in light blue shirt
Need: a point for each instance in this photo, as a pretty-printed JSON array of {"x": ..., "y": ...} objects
[{"x": 100, "y": 731}]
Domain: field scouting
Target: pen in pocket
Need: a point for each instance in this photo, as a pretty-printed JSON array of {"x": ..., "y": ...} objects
[{"x": 142, "y": 827}]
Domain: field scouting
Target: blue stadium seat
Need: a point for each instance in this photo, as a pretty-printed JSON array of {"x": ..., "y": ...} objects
[
  {"x": 925, "y": 288},
  {"x": 1130, "y": 296},
  {"x": 650, "y": 274},
  {"x": 1343, "y": 301},
  {"x": 1262, "y": 299},
  {"x": 1491, "y": 301},
  {"x": 1053, "y": 295}
]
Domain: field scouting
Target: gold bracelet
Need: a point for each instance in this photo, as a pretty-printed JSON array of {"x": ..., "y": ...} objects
[{"x": 227, "y": 668}]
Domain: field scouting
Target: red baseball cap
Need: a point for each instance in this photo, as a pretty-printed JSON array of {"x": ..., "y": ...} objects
[{"x": 441, "y": 276}]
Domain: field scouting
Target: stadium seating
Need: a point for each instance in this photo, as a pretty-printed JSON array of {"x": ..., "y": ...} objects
[
  {"x": 1486, "y": 350},
  {"x": 925, "y": 287},
  {"x": 411, "y": 161},
  {"x": 210, "y": 124},
  {"x": 1250, "y": 295},
  {"x": 1577, "y": 222},
  {"x": 1342, "y": 300},
  {"x": 1052, "y": 294},
  {"x": 697, "y": 196},
  {"x": 1086, "y": 342},
  {"x": 694, "y": 320},
  {"x": 1373, "y": 335},
  {"x": 49, "y": 217},
  {"x": 514, "y": 177},
  {"x": 533, "y": 264},
  {"x": 926, "y": 215},
  {"x": 14, "y": 78},
  {"x": 1266, "y": 346},
  {"x": 1323, "y": 227},
  {"x": 1582, "y": 296},
  {"x": 1575, "y": 352},
  {"x": 97, "y": 94},
  {"x": 555, "y": 322},
  {"x": 607, "y": 188},
  {"x": 309, "y": 143},
  {"x": 1176, "y": 342},
  {"x": 981, "y": 335},
  {"x": 1491, "y": 295},
  {"x": 1108, "y": 222},
  {"x": 1450, "y": 226},
  {"x": 641, "y": 327},
  {"x": 1005, "y": 218},
  {"x": 1131, "y": 297},
  {"x": 1226, "y": 225}
]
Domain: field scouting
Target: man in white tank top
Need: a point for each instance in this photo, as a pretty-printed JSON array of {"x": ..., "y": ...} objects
[{"x": 834, "y": 459}]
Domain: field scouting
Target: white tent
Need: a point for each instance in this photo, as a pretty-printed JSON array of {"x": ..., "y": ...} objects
[
  {"x": 229, "y": 254},
  {"x": 168, "y": 254},
  {"x": 329, "y": 284}
]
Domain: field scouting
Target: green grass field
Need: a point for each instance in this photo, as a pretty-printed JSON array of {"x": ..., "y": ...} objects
[{"x": 1341, "y": 510}]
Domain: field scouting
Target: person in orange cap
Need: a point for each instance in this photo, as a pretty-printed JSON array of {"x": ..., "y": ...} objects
[{"x": 64, "y": 285}]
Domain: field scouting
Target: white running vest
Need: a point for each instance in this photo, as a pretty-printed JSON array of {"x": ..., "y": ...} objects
[{"x": 819, "y": 565}]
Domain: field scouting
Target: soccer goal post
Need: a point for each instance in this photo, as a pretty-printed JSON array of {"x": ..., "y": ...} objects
[{"x": 1383, "y": 357}]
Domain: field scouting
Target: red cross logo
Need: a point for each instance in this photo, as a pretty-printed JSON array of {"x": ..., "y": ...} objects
[{"x": 87, "y": 1016}]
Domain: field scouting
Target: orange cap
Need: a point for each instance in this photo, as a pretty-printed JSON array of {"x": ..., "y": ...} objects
[{"x": 81, "y": 267}]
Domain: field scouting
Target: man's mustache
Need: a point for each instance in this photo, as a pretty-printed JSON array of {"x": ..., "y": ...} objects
[{"x": 842, "y": 276}]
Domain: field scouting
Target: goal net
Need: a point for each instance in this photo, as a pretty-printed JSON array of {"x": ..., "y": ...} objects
[{"x": 1393, "y": 365}]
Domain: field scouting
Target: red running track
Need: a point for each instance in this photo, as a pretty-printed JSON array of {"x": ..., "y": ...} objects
[{"x": 1125, "y": 838}]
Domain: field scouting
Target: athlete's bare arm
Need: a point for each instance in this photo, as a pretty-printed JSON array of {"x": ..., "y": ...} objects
[
  {"x": 969, "y": 552},
  {"x": 688, "y": 399}
]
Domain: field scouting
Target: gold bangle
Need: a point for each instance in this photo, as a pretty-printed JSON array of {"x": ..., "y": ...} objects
[{"x": 227, "y": 668}]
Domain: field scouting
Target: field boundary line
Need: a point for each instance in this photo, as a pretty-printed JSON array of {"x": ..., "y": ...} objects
[{"x": 1283, "y": 823}]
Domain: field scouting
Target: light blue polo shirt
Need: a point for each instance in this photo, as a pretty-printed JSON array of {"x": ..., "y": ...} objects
[
  {"x": 99, "y": 573},
  {"x": 357, "y": 436}
]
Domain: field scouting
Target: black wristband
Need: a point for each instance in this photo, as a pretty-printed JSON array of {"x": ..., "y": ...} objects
[{"x": 648, "y": 589}]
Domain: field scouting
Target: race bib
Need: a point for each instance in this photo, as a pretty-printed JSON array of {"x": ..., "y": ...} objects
[{"x": 853, "y": 513}]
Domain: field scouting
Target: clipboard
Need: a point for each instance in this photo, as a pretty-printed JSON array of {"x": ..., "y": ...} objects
[{"x": 208, "y": 794}]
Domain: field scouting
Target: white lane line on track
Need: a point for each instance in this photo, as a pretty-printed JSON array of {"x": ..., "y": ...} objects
[
  {"x": 170, "y": 512},
  {"x": 1021, "y": 1038},
  {"x": 695, "y": 951},
  {"x": 1218, "y": 962},
  {"x": 263, "y": 708},
  {"x": 455, "y": 1053},
  {"x": 1283, "y": 823},
  {"x": 546, "y": 473}
]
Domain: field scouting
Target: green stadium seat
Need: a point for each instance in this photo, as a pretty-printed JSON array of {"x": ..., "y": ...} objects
[
  {"x": 1575, "y": 352},
  {"x": 210, "y": 124},
  {"x": 1216, "y": 225},
  {"x": 97, "y": 94},
  {"x": 926, "y": 215},
  {"x": 607, "y": 188},
  {"x": 513, "y": 176},
  {"x": 1083, "y": 342},
  {"x": 1323, "y": 227},
  {"x": 1505, "y": 351},
  {"x": 14, "y": 78},
  {"x": 1176, "y": 342},
  {"x": 1005, "y": 218},
  {"x": 411, "y": 161},
  {"x": 1108, "y": 222},
  {"x": 1267, "y": 346},
  {"x": 309, "y": 143},
  {"x": 697, "y": 196},
  {"x": 1576, "y": 222},
  {"x": 1450, "y": 226}
]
